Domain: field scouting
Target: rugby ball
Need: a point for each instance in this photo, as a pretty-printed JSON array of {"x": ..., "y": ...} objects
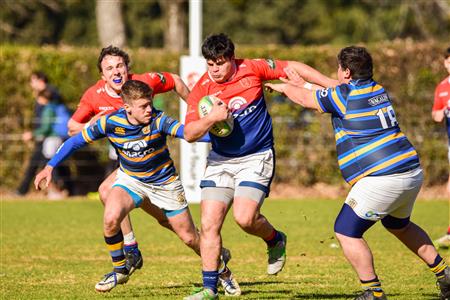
[{"x": 220, "y": 129}]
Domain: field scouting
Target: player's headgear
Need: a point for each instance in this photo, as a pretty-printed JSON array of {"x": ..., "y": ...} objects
[
  {"x": 216, "y": 46},
  {"x": 113, "y": 51},
  {"x": 357, "y": 60}
]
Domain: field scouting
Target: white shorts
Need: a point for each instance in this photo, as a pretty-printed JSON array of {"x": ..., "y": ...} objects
[
  {"x": 166, "y": 196},
  {"x": 254, "y": 170},
  {"x": 374, "y": 197}
]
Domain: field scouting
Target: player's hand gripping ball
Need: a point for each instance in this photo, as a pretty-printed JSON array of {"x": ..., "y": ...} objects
[{"x": 222, "y": 128}]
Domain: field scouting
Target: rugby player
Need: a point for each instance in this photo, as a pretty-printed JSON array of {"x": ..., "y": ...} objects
[
  {"x": 103, "y": 98},
  {"x": 138, "y": 132},
  {"x": 441, "y": 111},
  {"x": 377, "y": 159},
  {"x": 240, "y": 166}
]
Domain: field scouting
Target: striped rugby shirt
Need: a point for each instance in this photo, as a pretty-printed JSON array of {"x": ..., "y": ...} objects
[
  {"x": 142, "y": 149},
  {"x": 369, "y": 141}
]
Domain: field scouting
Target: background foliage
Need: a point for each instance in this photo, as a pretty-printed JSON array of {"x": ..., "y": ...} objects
[
  {"x": 288, "y": 22},
  {"x": 304, "y": 140}
]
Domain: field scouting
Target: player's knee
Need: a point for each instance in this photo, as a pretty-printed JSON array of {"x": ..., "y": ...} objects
[
  {"x": 396, "y": 225},
  {"x": 103, "y": 191},
  {"x": 245, "y": 221},
  {"x": 111, "y": 222},
  {"x": 209, "y": 229},
  {"x": 349, "y": 224}
]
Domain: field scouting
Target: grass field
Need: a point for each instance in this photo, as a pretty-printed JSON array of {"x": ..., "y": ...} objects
[{"x": 55, "y": 250}]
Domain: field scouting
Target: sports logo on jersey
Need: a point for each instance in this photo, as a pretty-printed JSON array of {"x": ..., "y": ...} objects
[
  {"x": 146, "y": 129},
  {"x": 374, "y": 101},
  {"x": 119, "y": 130},
  {"x": 271, "y": 63},
  {"x": 137, "y": 149},
  {"x": 236, "y": 103},
  {"x": 161, "y": 77},
  {"x": 245, "y": 82},
  {"x": 323, "y": 93},
  {"x": 181, "y": 198}
]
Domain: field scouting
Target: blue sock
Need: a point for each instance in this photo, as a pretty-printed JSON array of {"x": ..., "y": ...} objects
[
  {"x": 131, "y": 248},
  {"x": 210, "y": 279}
]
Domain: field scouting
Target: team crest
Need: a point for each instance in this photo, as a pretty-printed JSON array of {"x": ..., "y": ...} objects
[
  {"x": 119, "y": 130},
  {"x": 181, "y": 197},
  {"x": 245, "y": 82},
  {"x": 146, "y": 129},
  {"x": 351, "y": 202},
  {"x": 271, "y": 63}
]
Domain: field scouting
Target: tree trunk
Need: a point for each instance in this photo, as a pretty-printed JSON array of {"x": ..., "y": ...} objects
[
  {"x": 110, "y": 26},
  {"x": 174, "y": 19}
]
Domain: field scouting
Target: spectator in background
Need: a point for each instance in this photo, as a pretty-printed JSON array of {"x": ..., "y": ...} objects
[
  {"x": 38, "y": 83},
  {"x": 441, "y": 111}
]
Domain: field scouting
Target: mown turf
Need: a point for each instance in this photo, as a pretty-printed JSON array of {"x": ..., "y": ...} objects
[{"x": 55, "y": 250}]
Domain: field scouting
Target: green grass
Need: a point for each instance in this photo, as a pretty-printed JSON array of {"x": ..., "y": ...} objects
[{"x": 55, "y": 250}]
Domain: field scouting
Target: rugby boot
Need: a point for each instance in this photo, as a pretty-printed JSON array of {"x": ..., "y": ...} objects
[
  {"x": 226, "y": 278},
  {"x": 444, "y": 285},
  {"x": 133, "y": 260},
  {"x": 277, "y": 256},
  {"x": 443, "y": 242},
  {"x": 371, "y": 295},
  {"x": 110, "y": 281},
  {"x": 229, "y": 284},
  {"x": 203, "y": 294}
]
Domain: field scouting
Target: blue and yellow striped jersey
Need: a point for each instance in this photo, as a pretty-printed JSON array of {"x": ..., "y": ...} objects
[
  {"x": 142, "y": 149},
  {"x": 368, "y": 138}
]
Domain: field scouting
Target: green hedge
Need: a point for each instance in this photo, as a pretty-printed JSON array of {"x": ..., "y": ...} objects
[{"x": 304, "y": 140}]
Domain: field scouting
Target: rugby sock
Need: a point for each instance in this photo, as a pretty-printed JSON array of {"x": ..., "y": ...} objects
[
  {"x": 373, "y": 285},
  {"x": 115, "y": 247},
  {"x": 273, "y": 238},
  {"x": 210, "y": 279},
  {"x": 129, "y": 242},
  {"x": 438, "y": 267}
]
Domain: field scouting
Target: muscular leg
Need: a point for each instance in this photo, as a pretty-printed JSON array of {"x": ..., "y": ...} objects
[
  {"x": 359, "y": 256},
  {"x": 247, "y": 215},
  {"x": 104, "y": 190},
  {"x": 212, "y": 216},
  {"x": 184, "y": 227},
  {"x": 156, "y": 213},
  {"x": 117, "y": 206},
  {"x": 417, "y": 240}
]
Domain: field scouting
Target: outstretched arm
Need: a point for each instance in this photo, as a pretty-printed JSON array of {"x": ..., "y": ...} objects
[
  {"x": 312, "y": 75},
  {"x": 299, "y": 95},
  {"x": 44, "y": 177},
  {"x": 180, "y": 87}
]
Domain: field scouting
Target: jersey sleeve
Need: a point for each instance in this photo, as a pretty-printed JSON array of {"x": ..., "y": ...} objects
[
  {"x": 84, "y": 110},
  {"x": 268, "y": 69},
  {"x": 332, "y": 100},
  {"x": 192, "y": 103},
  {"x": 95, "y": 131},
  {"x": 160, "y": 82},
  {"x": 438, "y": 103},
  {"x": 168, "y": 125}
]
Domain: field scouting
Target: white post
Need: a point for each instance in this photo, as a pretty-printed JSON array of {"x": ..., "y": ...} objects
[{"x": 193, "y": 156}]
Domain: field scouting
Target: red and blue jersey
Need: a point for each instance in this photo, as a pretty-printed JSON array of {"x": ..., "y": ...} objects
[
  {"x": 442, "y": 100},
  {"x": 97, "y": 98},
  {"x": 369, "y": 141},
  {"x": 243, "y": 94}
]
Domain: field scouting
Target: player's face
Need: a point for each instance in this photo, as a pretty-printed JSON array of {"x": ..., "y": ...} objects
[
  {"x": 139, "y": 111},
  {"x": 222, "y": 69},
  {"x": 114, "y": 72},
  {"x": 447, "y": 64}
]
